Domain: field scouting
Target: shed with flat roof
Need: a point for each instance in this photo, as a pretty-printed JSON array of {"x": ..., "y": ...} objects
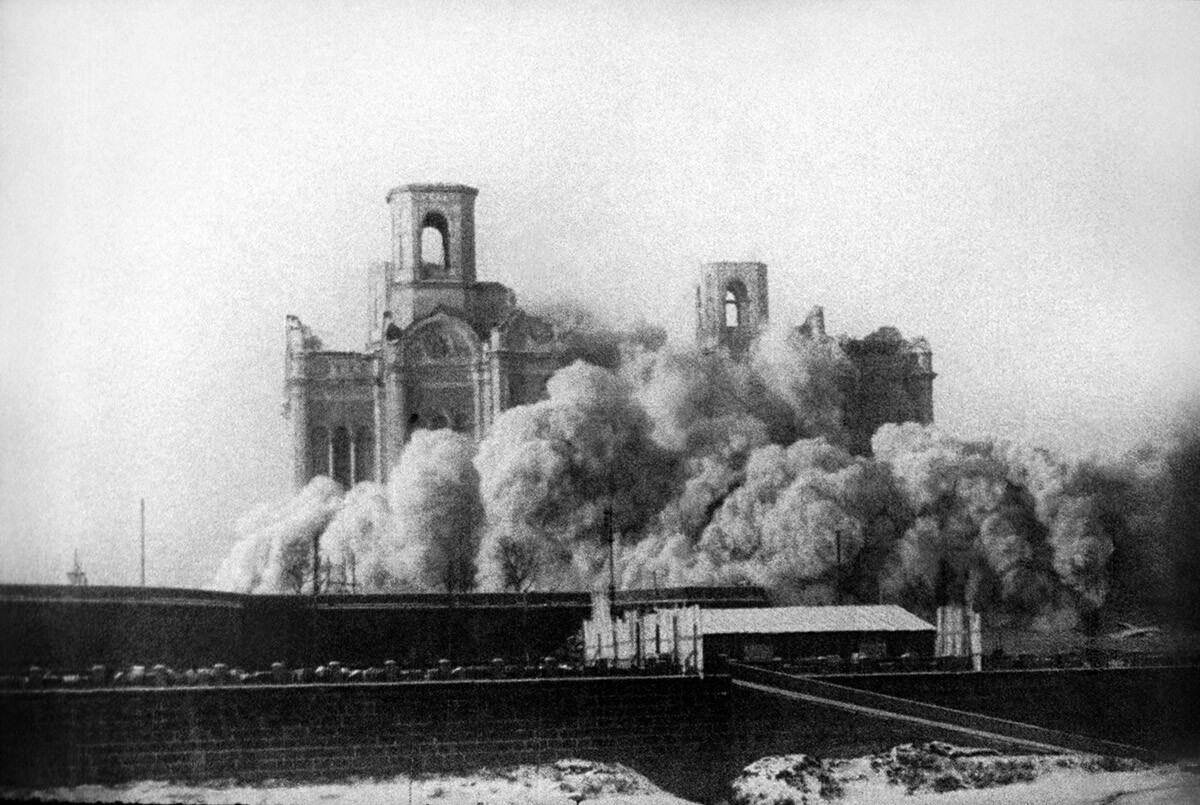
[{"x": 793, "y": 633}]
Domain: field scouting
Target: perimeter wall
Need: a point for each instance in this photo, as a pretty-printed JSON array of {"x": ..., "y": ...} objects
[
  {"x": 673, "y": 730},
  {"x": 72, "y": 628}
]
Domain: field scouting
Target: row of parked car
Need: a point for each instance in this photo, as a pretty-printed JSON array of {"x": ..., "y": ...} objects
[{"x": 331, "y": 672}]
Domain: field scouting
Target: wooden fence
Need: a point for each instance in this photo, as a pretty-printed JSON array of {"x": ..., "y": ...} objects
[{"x": 637, "y": 639}]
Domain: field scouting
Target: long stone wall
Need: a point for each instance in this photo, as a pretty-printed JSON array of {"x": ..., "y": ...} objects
[
  {"x": 74, "y": 627},
  {"x": 1153, "y": 707},
  {"x": 674, "y": 730},
  {"x": 690, "y": 735}
]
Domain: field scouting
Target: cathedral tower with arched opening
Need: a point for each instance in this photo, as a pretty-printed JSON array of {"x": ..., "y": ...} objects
[
  {"x": 448, "y": 351},
  {"x": 882, "y": 378},
  {"x": 731, "y": 306}
]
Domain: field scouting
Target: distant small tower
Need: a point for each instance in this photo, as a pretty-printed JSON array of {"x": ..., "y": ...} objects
[
  {"x": 731, "y": 306},
  {"x": 76, "y": 575}
]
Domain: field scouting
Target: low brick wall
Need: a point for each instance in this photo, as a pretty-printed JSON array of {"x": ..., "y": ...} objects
[
  {"x": 674, "y": 730},
  {"x": 1153, "y": 707}
]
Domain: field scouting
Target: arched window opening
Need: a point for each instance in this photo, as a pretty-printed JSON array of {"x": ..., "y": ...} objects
[
  {"x": 364, "y": 455},
  {"x": 435, "y": 245},
  {"x": 735, "y": 304},
  {"x": 340, "y": 456},
  {"x": 318, "y": 452}
]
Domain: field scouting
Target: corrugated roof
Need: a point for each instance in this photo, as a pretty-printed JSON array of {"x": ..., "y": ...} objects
[{"x": 782, "y": 620}]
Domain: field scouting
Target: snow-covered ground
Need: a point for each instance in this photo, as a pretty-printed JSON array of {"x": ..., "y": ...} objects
[
  {"x": 941, "y": 774},
  {"x": 931, "y": 774},
  {"x": 560, "y": 783}
]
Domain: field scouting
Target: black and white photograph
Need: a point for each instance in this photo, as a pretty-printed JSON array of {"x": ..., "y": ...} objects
[{"x": 674, "y": 402}]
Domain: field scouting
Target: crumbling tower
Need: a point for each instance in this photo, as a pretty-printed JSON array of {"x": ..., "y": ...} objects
[
  {"x": 882, "y": 378},
  {"x": 731, "y": 306},
  {"x": 433, "y": 250}
]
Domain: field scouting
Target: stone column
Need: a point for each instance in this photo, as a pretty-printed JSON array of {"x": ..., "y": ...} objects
[
  {"x": 377, "y": 433},
  {"x": 481, "y": 388},
  {"x": 332, "y": 439},
  {"x": 296, "y": 388},
  {"x": 298, "y": 412},
  {"x": 394, "y": 428}
]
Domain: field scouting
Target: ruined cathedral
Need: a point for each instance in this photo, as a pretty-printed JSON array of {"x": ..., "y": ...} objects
[
  {"x": 451, "y": 351},
  {"x": 887, "y": 378}
]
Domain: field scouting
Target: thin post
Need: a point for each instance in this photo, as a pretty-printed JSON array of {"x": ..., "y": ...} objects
[
  {"x": 143, "y": 532},
  {"x": 612, "y": 578},
  {"x": 316, "y": 563},
  {"x": 612, "y": 572},
  {"x": 677, "y": 658},
  {"x": 697, "y": 660},
  {"x": 610, "y": 516},
  {"x": 837, "y": 586}
]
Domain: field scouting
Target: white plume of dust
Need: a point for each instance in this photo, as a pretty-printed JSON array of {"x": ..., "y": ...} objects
[
  {"x": 420, "y": 534},
  {"x": 808, "y": 376},
  {"x": 551, "y": 470},
  {"x": 713, "y": 471},
  {"x": 273, "y": 553},
  {"x": 1011, "y": 526},
  {"x": 800, "y": 510},
  {"x": 357, "y": 540},
  {"x": 436, "y": 514}
]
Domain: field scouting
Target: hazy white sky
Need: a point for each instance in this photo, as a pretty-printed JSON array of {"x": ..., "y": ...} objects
[{"x": 1019, "y": 183}]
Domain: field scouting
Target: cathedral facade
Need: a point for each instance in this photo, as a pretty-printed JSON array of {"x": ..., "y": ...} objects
[{"x": 451, "y": 351}]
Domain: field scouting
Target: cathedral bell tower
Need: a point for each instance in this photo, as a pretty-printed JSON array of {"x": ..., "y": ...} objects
[
  {"x": 731, "y": 306},
  {"x": 433, "y": 249}
]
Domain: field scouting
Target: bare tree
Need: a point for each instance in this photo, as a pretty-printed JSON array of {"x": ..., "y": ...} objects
[
  {"x": 519, "y": 563},
  {"x": 297, "y": 565}
]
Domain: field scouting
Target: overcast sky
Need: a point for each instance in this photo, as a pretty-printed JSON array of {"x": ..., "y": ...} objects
[{"x": 1019, "y": 183}]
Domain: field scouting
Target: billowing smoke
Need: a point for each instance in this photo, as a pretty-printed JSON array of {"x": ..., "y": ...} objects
[
  {"x": 706, "y": 470},
  {"x": 274, "y": 550},
  {"x": 588, "y": 338},
  {"x": 420, "y": 534},
  {"x": 559, "y": 475},
  {"x": 799, "y": 522},
  {"x": 1151, "y": 503},
  {"x": 982, "y": 531},
  {"x": 436, "y": 513},
  {"x": 807, "y": 376}
]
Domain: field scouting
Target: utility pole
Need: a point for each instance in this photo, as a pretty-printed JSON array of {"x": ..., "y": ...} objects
[
  {"x": 612, "y": 576},
  {"x": 837, "y": 585},
  {"x": 316, "y": 563},
  {"x": 143, "y": 531},
  {"x": 612, "y": 540},
  {"x": 612, "y": 572}
]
